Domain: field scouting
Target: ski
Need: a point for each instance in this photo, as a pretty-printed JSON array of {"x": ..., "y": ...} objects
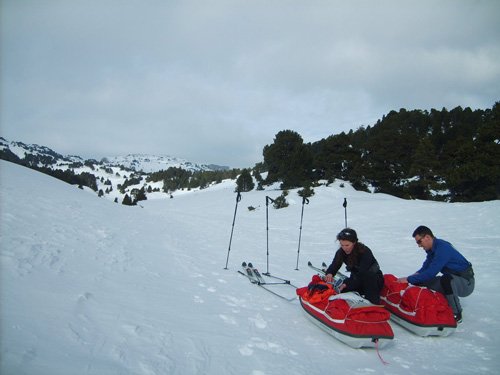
[
  {"x": 322, "y": 271},
  {"x": 339, "y": 274},
  {"x": 256, "y": 277},
  {"x": 257, "y": 274},
  {"x": 249, "y": 273},
  {"x": 281, "y": 280}
]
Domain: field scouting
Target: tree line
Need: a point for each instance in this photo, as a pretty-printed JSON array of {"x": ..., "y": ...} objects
[
  {"x": 437, "y": 155},
  {"x": 175, "y": 178}
]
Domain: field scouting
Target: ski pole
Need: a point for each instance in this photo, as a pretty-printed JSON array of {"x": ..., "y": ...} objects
[
  {"x": 306, "y": 201},
  {"x": 238, "y": 198},
  {"x": 268, "y": 199},
  {"x": 345, "y": 211}
]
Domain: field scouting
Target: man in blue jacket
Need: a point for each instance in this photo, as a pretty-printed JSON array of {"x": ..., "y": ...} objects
[{"x": 457, "y": 279}]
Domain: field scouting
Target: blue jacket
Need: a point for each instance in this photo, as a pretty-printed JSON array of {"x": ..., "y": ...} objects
[{"x": 444, "y": 258}]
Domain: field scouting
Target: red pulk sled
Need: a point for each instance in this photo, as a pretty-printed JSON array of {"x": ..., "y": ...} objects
[
  {"x": 418, "y": 309},
  {"x": 347, "y": 316}
]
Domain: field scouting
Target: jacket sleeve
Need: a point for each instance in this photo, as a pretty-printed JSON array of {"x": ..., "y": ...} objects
[
  {"x": 432, "y": 266},
  {"x": 336, "y": 263}
]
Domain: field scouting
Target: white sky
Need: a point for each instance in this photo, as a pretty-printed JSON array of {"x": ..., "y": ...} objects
[{"x": 214, "y": 81}]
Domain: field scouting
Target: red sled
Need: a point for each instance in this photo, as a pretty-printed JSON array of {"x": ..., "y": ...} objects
[
  {"x": 418, "y": 309},
  {"x": 346, "y": 316}
]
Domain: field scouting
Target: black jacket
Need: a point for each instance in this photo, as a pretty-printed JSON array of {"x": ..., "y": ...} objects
[{"x": 359, "y": 262}]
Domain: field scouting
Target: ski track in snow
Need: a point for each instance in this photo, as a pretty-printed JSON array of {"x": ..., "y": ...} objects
[{"x": 92, "y": 287}]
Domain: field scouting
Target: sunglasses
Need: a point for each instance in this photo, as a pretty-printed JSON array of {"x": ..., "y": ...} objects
[
  {"x": 419, "y": 241},
  {"x": 345, "y": 234}
]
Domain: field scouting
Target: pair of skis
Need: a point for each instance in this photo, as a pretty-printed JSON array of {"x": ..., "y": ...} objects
[
  {"x": 255, "y": 277},
  {"x": 321, "y": 270}
]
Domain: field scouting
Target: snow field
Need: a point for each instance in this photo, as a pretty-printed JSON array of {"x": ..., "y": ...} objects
[{"x": 93, "y": 287}]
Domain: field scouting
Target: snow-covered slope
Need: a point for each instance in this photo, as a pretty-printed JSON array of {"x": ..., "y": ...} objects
[
  {"x": 111, "y": 174},
  {"x": 92, "y": 287}
]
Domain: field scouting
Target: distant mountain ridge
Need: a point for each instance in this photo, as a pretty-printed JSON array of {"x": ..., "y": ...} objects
[
  {"x": 154, "y": 163},
  {"x": 138, "y": 162},
  {"x": 22, "y": 150},
  {"x": 112, "y": 177}
]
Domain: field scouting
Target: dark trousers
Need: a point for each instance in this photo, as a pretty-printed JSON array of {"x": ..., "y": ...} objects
[
  {"x": 452, "y": 286},
  {"x": 368, "y": 285}
]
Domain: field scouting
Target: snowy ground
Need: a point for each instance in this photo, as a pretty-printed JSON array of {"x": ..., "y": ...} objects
[{"x": 93, "y": 287}]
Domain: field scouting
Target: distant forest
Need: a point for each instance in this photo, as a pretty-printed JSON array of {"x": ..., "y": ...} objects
[{"x": 438, "y": 155}]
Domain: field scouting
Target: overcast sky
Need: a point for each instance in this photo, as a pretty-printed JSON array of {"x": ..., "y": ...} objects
[{"x": 214, "y": 81}]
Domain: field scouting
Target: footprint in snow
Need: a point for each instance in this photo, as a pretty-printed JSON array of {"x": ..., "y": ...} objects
[
  {"x": 245, "y": 350},
  {"x": 481, "y": 334},
  {"x": 228, "y": 319},
  {"x": 258, "y": 343},
  {"x": 132, "y": 329},
  {"x": 258, "y": 321},
  {"x": 85, "y": 297},
  {"x": 210, "y": 289},
  {"x": 233, "y": 301}
]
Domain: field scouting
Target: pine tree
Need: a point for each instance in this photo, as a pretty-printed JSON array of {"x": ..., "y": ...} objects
[
  {"x": 127, "y": 201},
  {"x": 288, "y": 160},
  {"x": 244, "y": 182},
  {"x": 281, "y": 202}
]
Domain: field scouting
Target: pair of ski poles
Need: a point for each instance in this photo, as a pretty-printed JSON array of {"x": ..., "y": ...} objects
[{"x": 268, "y": 200}]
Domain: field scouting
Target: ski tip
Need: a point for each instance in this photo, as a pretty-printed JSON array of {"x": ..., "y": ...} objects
[
  {"x": 250, "y": 265},
  {"x": 244, "y": 264},
  {"x": 323, "y": 264},
  {"x": 309, "y": 263}
]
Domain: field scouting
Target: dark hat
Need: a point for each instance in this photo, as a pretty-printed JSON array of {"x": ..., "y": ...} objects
[{"x": 347, "y": 234}]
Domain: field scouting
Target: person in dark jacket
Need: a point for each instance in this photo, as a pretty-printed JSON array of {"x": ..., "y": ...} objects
[
  {"x": 366, "y": 278},
  {"x": 457, "y": 279}
]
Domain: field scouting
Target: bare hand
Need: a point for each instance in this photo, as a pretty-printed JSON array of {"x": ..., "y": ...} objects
[{"x": 329, "y": 278}]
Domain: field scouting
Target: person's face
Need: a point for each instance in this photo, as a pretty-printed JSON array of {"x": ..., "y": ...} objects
[
  {"x": 424, "y": 242},
  {"x": 347, "y": 246}
]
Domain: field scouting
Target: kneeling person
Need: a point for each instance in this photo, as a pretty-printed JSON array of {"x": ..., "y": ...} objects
[
  {"x": 457, "y": 279},
  {"x": 366, "y": 277}
]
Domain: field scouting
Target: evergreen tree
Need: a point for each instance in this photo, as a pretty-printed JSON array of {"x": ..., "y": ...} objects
[
  {"x": 257, "y": 175},
  {"x": 288, "y": 160},
  {"x": 137, "y": 195},
  {"x": 127, "y": 201},
  {"x": 281, "y": 202},
  {"x": 244, "y": 182},
  {"x": 423, "y": 171},
  {"x": 306, "y": 192}
]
